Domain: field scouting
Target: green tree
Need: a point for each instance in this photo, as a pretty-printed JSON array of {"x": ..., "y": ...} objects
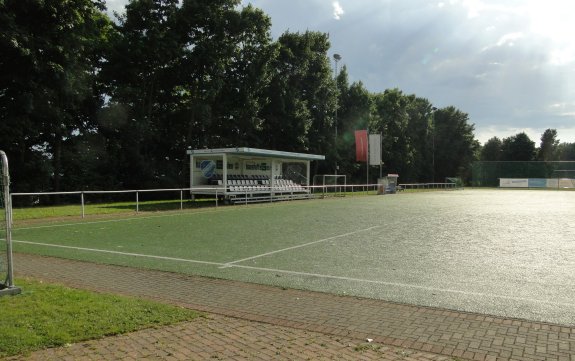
[
  {"x": 140, "y": 75},
  {"x": 391, "y": 119},
  {"x": 354, "y": 113},
  {"x": 518, "y": 148},
  {"x": 50, "y": 54},
  {"x": 566, "y": 151},
  {"x": 225, "y": 71},
  {"x": 420, "y": 131},
  {"x": 549, "y": 144},
  {"x": 455, "y": 144},
  {"x": 491, "y": 150},
  {"x": 300, "y": 113},
  {"x": 184, "y": 76}
]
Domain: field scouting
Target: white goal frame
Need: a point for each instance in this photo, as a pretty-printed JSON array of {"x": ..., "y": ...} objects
[{"x": 336, "y": 189}]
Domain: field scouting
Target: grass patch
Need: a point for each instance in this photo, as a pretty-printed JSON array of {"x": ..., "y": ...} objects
[
  {"x": 367, "y": 347},
  {"x": 73, "y": 208},
  {"x": 41, "y": 212},
  {"x": 47, "y": 315}
]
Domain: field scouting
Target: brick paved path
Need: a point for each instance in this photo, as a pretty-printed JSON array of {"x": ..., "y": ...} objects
[
  {"x": 287, "y": 318},
  {"x": 224, "y": 338}
]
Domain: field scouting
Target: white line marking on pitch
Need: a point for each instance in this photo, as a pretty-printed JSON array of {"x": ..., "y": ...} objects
[
  {"x": 307, "y": 274},
  {"x": 119, "y": 253},
  {"x": 426, "y": 288},
  {"x": 229, "y": 264}
]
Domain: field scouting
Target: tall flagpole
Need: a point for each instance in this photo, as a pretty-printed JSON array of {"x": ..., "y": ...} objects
[
  {"x": 337, "y": 58},
  {"x": 367, "y": 160},
  {"x": 380, "y": 155}
]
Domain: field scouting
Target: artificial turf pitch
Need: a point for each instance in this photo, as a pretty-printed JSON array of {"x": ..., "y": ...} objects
[{"x": 499, "y": 252}]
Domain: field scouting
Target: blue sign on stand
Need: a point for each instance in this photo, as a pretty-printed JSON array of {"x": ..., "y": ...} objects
[
  {"x": 537, "y": 183},
  {"x": 208, "y": 168}
]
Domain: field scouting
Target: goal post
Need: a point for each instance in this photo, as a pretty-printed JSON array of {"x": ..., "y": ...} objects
[
  {"x": 330, "y": 184},
  {"x": 6, "y": 266}
]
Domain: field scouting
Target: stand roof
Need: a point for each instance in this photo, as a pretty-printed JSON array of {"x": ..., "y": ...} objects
[{"x": 254, "y": 152}]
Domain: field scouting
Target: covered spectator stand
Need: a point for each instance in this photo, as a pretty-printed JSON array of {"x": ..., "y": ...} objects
[{"x": 250, "y": 174}]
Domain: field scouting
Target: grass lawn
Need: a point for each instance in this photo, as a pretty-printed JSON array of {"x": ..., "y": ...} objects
[
  {"x": 129, "y": 207},
  {"x": 47, "y": 315},
  {"x": 60, "y": 211}
]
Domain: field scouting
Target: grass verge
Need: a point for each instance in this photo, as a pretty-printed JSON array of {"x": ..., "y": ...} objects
[
  {"x": 47, "y": 315},
  {"x": 39, "y": 212}
]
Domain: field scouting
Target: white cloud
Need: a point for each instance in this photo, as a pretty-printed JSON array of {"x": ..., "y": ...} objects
[
  {"x": 474, "y": 8},
  {"x": 566, "y": 109},
  {"x": 337, "y": 10},
  {"x": 509, "y": 39}
]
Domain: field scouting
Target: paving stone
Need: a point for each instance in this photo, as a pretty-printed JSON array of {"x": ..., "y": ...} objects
[{"x": 255, "y": 322}]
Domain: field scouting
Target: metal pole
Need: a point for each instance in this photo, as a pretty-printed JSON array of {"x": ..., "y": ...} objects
[
  {"x": 8, "y": 210},
  {"x": 433, "y": 109},
  {"x": 137, "y": 203},
  {"x": 82, "y": 199},
  {"x": 11, "y": 220},
  {"x": 192, "y": 166},
  {"x": 380, "y": 155},
  {"x": 367, "y": 160},
  {"x": 337, "y": 58},
  {"x": 367, "y": 173},
  {"x": 433, "y": 156},
  {"x": 182, "y": 199}
]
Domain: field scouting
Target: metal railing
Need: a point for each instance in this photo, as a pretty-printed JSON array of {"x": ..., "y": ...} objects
[
  {"x": 429, "y": 186},
  {"x": 137, "y": 192},
  {"x": 248, "y": 194}
]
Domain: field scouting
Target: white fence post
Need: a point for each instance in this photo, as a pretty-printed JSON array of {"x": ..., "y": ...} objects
[{"x": 82, "y": 200}]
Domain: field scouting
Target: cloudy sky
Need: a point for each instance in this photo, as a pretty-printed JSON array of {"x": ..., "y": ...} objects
[{"x": 509, "y": 64}]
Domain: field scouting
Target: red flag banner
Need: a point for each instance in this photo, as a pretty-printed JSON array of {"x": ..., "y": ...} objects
[{"x": 361, "y": 145}]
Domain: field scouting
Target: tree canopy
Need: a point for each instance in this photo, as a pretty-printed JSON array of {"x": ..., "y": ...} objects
[
  {"x": 492, "y": 150},
  {"x": 89, "y": 102},
  {"x": 51, "y": 54}
]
